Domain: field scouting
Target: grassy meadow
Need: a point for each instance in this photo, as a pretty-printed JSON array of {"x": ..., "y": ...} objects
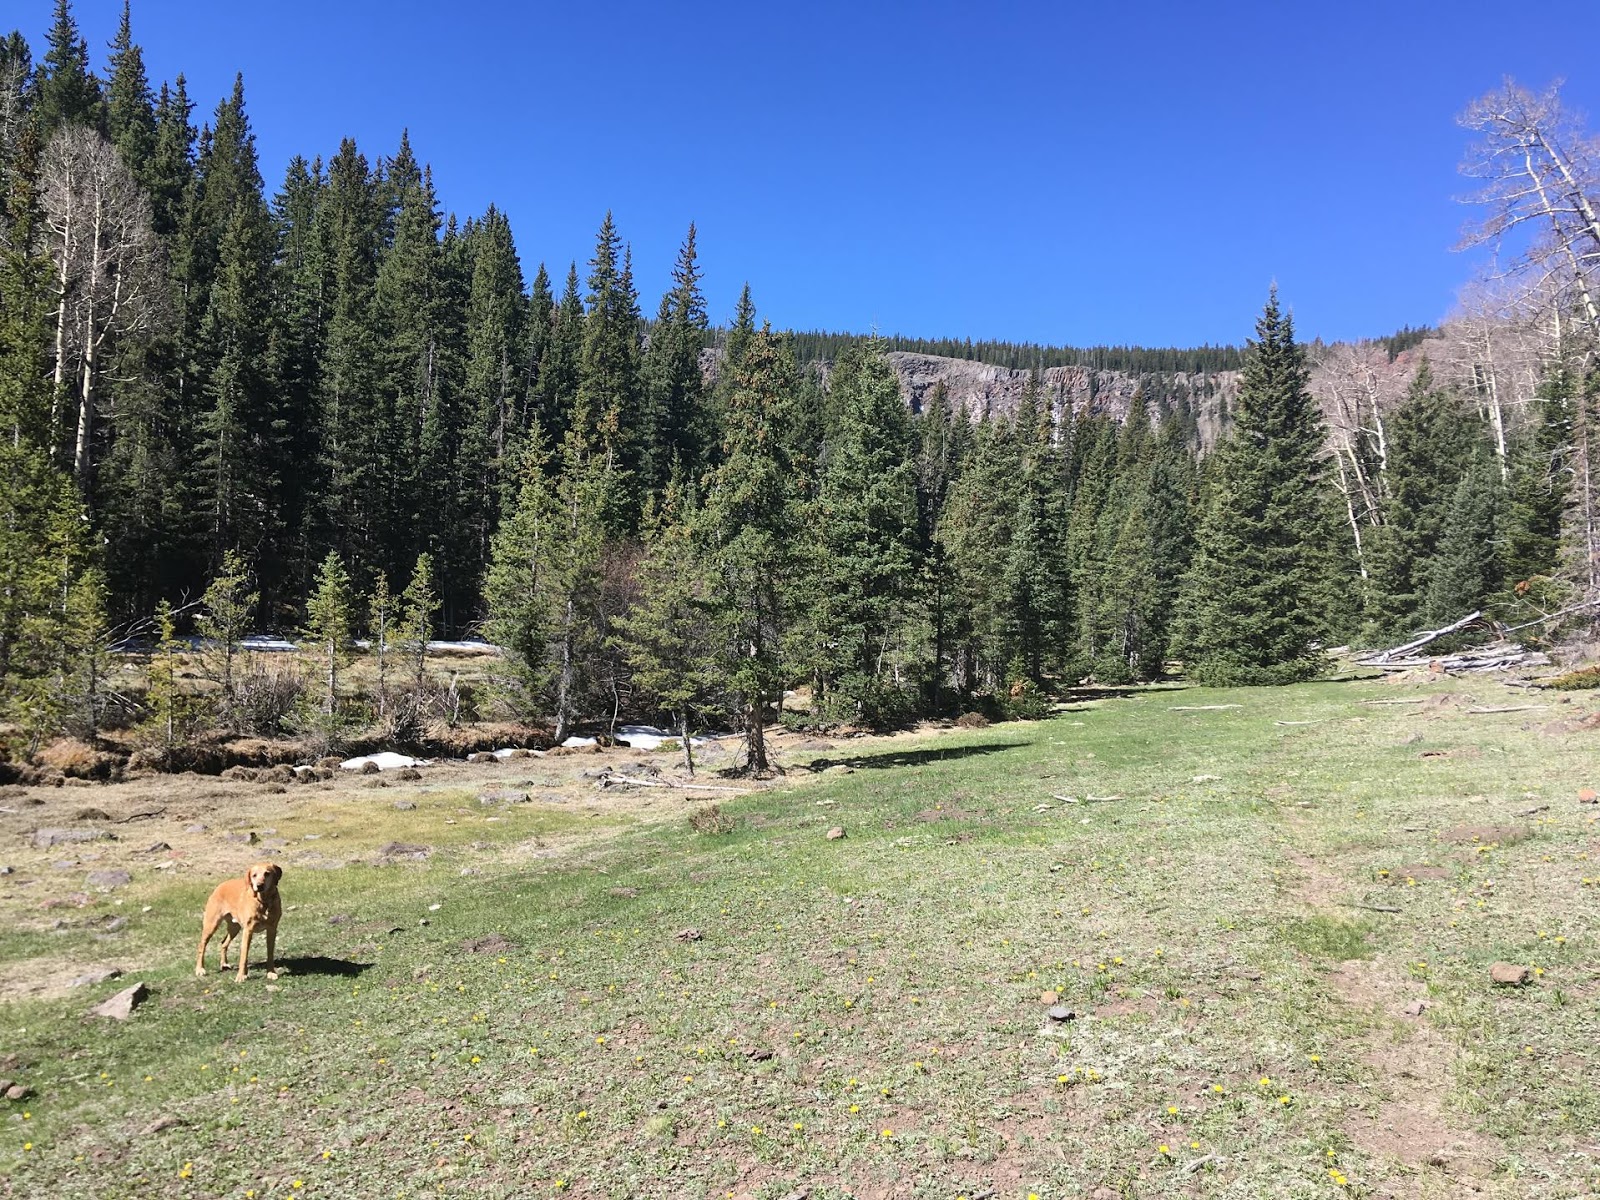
[{"x": 1272, "y": 921}]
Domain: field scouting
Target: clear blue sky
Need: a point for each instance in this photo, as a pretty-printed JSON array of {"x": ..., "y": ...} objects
[{"x": 1061, "y": 173}]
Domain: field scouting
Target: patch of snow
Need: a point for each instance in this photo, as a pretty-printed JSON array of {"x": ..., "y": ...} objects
[
  {"x": 265, "y": 643},
  {"x": 387, "y": 760},
  {"x": 650, "y": 737},
  {"x": 578, "y": 741},
  {"x": 508, "y": 751}
]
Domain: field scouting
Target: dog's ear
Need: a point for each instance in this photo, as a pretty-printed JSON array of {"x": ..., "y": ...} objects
[{"x": 276, "y": 872}]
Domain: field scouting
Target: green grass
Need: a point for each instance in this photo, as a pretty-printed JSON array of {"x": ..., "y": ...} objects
[{"x": 864, "y": 1016}]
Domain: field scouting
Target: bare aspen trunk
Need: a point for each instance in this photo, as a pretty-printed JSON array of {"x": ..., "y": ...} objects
[
  {"x": 1350, "y": 513},
  {"x": 688, "y": 746},
  {"x": 564, "y": 681}
]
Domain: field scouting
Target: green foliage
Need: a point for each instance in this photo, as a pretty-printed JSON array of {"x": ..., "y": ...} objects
[
  {"x": 171, "y": 713},
  {"x": 419, "y": 609},
  {"x": 545, "y": 578},
  {"x": 1467, "y": 570},
  {"x": 669, "y": 634},
  {"x": 857, "y": 599},
  {"x": 746, "y": 525},
  {"x": 1430, "y": 444},
  {"x": 226, "y": 611},
  {"x": 327, "y": 627},
  {"x": 1256, "y": 591}
]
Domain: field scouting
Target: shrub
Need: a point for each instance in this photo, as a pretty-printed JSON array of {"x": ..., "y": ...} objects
[{"x": 712, "y": 820}]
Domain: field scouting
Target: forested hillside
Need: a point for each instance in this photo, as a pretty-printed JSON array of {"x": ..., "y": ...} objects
[{"x": 322, "y": 404}]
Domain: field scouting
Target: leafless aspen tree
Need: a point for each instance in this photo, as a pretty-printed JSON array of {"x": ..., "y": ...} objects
[
  {"x": 105, "y": 255},
  {"x": 1541, "y": 175}
]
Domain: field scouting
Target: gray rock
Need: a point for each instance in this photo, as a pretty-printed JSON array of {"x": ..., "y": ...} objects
[
  {"x": 404, "y": 805},
  {"x": 120, "y": 1007},
  {"x": 399, "y": 850},
  {"x": 116, "y": 924},
  {"x": 43, "y": 839},
  {"x": 197, "y": 827},
  {"x": 109, "y": 879},
  {"x": 502, "y": 799},
  {"x": 157, "y": 848},
  {"x": 1060, "y": 1012},
  {"x": 17, "y": 1091},
  {"x": 8, "y": 870},
  {"x": 246, "y": 839},
  {"x": 93, "y": 977}
]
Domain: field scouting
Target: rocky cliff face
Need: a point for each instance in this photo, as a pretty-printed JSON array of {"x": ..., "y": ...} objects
[
  {"x": 1345, "y": 379},
  {"x": 981, "y": 390}
]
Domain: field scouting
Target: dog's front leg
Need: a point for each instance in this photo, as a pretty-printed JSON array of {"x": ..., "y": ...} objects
[{"x": 244, "y": 955}]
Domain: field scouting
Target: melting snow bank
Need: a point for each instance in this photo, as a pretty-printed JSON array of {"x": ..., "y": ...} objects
[
  {"x": 649, "y": 737},
  {"x": 386, "y": 760},
  {"x": 578, "y": 741},
  {"x": 509, "y": 751}
]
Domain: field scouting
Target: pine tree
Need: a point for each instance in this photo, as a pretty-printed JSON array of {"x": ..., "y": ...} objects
[
  {"x": 976, "y": 529},
  {"x": 130, "y": 110},
  {"x": 412, "y": 325},
  {"x": 67, "y": 91},
  {"x": 1259, "y": 579},
  {"x": 380, "y": 623},
  {"x": 556, "y": 388},
  {"x": 545, "y": 576},
  {"x": 861, "y": 587},
  {"x": 82, "y": 690},
  {"x": 226, "y": 610},
  {"x": 675, "y": 427},
  {"x": 419, "y": 609},
  {"x": 353, "y": 421},
  {"x": 494, "y": 314},
  {"x": 1466, "y": 571},
  {"x": 668, "y": 634},
  {"x": 1541, "y": 481},
  {"x": 747, "y": 530},
  {"x": 606, "y": 411},
  {"x": 327, "y": 627},
  {"x": 171, "y": 713},
  {"x": 1430, "y": 445}
]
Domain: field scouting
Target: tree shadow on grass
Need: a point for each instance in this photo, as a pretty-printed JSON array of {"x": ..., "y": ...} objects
[
  {"x": 912, "y": 758},
  {"x": 317, "y": 964}
]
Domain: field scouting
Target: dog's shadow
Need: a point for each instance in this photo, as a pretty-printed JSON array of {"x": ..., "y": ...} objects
[{"x": 317, "y": 964}]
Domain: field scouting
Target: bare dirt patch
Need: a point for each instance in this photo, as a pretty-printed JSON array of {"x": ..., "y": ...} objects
[{"x": 1466, "y": 835}]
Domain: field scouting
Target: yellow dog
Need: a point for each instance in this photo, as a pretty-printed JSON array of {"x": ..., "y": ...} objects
[{"x": 250, "y": 904}]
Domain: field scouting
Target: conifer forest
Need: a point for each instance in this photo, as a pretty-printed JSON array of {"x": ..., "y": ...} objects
[{"x": 325, "y": 408}]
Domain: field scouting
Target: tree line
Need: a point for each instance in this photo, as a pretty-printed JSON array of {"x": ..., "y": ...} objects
[{"x": 339, "y": 410}]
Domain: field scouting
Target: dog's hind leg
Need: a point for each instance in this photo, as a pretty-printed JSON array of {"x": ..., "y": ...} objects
[
  {"x": 227, "y": 940},
  {"x": 208, "y": 928}
]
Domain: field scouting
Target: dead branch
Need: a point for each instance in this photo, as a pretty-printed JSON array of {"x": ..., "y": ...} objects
[
  {"x": 1385, "y": 656},
  {"x": 1202, "y": 707},
  {"x": 613, "y": 779},
  {"x": 1506, "y": 708}
]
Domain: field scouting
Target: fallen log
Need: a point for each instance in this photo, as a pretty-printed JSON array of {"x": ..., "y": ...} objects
[
  {"x": 1432, "y": 635},
  {"x": 1506, "y": 708},
  {"x": 1202, "y": 707},
  {"x": 615, "y": 780}
]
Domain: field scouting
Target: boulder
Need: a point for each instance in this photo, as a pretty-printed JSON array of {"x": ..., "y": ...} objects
[
  {"x": 120, "y": 1007},
  {"x": 1507, "y": 974}
]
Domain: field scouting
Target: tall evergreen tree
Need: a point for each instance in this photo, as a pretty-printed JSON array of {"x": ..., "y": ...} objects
[
  {"x": 1258, "y": 583},
  {"x": 130, "y": 108},
  {"x": 606, "y": 411},
  {"x": 1466, "y": 571},
  {"x": 747, "y": 529},
  {"x": 1430, "y": 445},
  {"x": 67, "y": 91},
  {"x": 675, "y": 427},
  {"x": 861, "y": 552}
]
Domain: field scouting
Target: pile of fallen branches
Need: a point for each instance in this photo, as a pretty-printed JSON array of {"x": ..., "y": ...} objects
[{"x": 1497, "y": 656}]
